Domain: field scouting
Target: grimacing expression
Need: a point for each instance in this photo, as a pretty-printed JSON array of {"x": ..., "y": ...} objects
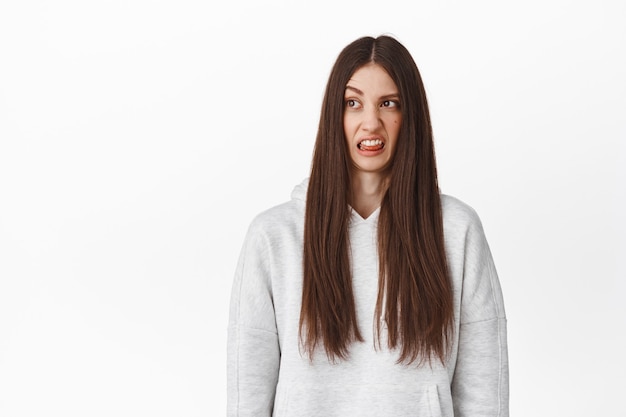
[{"x": 372, "y": 118}]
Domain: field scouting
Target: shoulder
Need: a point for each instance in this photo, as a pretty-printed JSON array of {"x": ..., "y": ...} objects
[
  {"x": 278, "y": 225},
  {"x": 472, "y": 268},
  {"x": 275, "y": 235},
  {"x": 287, "y": 214},
  {"x": 462, "y": 226},
  {"x": 279, "y": 215},
  {"x": 457, "y": 213}
]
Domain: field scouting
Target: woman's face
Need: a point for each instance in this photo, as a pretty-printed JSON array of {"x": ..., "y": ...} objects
[{"x": 372, "y": 118}]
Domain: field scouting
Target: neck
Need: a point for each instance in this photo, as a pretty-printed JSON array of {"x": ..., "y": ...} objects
[{"x": 367, "y": 193}]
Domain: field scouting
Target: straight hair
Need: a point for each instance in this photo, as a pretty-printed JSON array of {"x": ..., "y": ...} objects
[{"x": 414, "y": 290}]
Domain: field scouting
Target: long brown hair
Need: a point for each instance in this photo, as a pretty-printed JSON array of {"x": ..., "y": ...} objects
[{"x": 414, "y": 291}]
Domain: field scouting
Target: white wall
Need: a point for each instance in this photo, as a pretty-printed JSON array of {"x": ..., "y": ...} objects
[{"x": 139, "y": 138}]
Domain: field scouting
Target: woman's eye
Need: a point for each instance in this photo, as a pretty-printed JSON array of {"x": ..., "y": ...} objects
[
  {"x": 353, "y": 104},
  {"x": 389, "y": 103}
]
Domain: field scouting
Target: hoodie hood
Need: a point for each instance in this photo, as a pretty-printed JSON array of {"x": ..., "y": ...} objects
[{"x": 299, "y": 191}]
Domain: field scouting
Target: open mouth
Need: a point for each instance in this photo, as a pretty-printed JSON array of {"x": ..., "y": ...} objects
[{"x": 371, "y": 145}]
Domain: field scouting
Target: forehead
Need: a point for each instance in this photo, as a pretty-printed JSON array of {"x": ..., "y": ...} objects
[{"x": 372, "y": 78}]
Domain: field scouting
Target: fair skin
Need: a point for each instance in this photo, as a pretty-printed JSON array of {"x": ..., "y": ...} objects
[{"x": 371, "y": 124}]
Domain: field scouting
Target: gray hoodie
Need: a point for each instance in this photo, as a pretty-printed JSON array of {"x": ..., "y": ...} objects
[{"x": 268, "y": 375}]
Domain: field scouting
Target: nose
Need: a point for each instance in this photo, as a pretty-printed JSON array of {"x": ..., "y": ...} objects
[{"x": 371, "y": 119}]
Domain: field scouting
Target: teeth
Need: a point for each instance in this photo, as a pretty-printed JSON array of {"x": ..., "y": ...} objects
[{"x": 372, "y": 142}]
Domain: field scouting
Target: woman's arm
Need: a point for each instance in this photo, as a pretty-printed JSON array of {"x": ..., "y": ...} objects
[
  {"x": 481, "y": 378},
  {"x": 253, "y": 349}
]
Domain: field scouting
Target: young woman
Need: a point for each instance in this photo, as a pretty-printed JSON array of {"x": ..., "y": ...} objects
[{"x": 369, "y": 293}]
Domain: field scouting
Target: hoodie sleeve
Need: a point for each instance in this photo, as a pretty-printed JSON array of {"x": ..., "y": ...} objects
[
  {"x": 253, "y": 350},
  {"x": 480, "y": 385}
]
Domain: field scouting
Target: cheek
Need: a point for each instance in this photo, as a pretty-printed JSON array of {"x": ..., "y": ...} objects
[
  {"x": 395, "y": 130},
  {"x": 395, "y": 125},
  {"x": 348, "y": 127},
  {"x": 346, "y": 132}
]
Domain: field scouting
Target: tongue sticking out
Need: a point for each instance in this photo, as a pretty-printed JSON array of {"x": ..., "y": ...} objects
[{"x": 371, "y": 145}]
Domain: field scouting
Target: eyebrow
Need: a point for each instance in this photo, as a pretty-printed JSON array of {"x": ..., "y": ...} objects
[
  {"x": 385, "y": 97},
  {"x": 356, "y": 90}
]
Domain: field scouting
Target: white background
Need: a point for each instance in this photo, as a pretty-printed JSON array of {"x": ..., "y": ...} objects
[{"x": 139, "y": 138}]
